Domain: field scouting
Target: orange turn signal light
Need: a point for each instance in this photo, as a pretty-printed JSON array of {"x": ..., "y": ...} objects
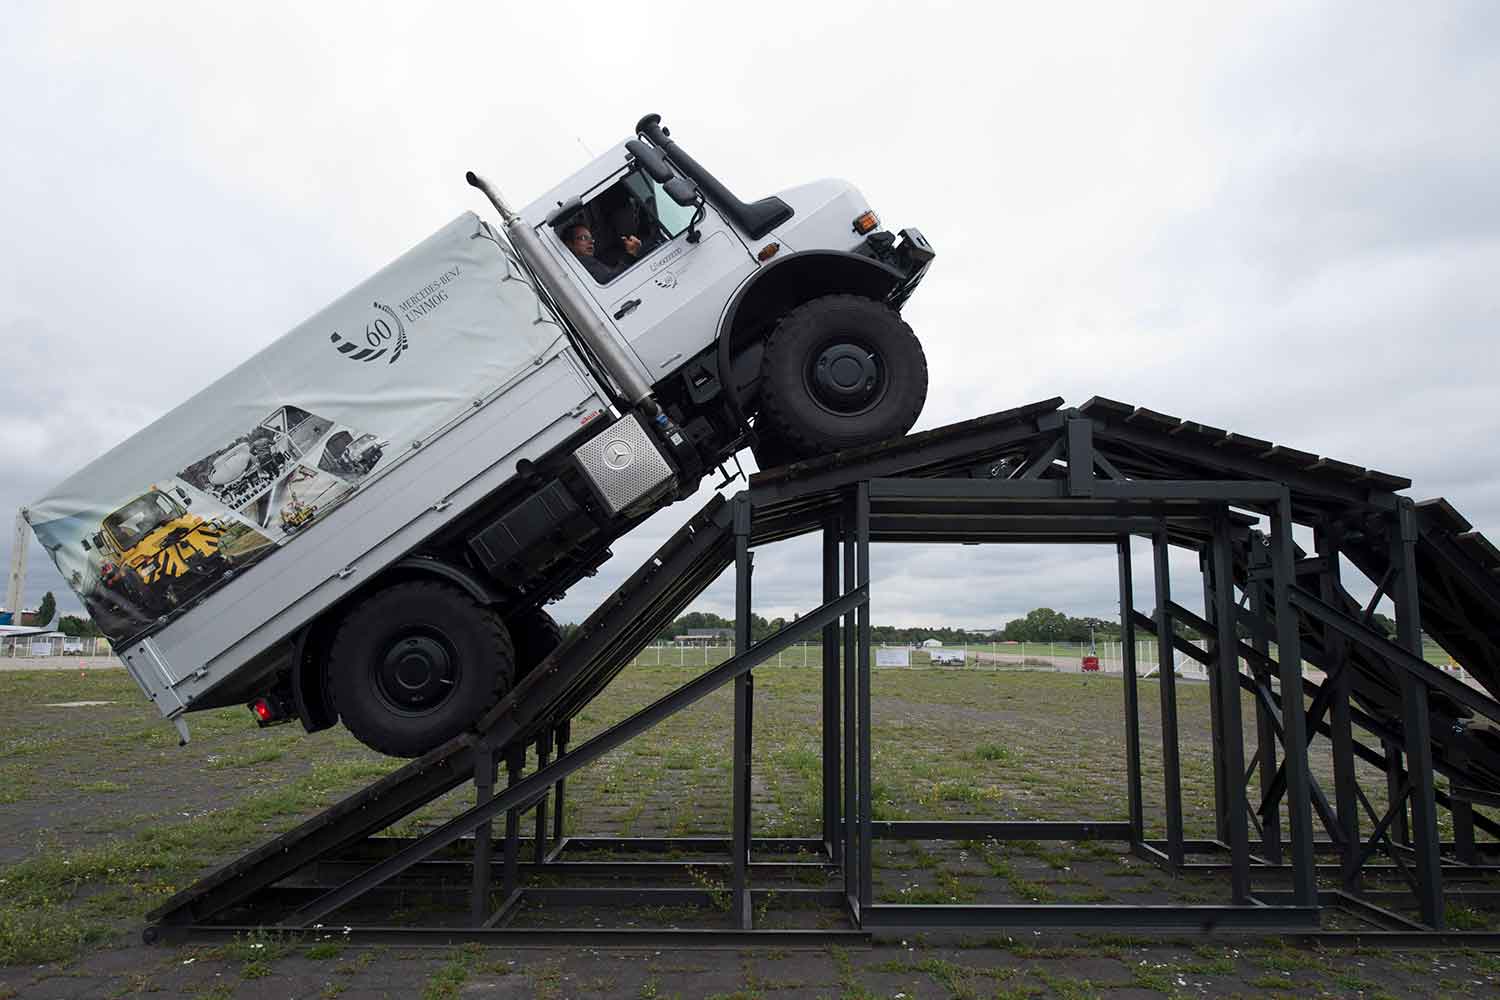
[
  {"x": 768, "y": 251},
  {"x": 865, "y": 222}
]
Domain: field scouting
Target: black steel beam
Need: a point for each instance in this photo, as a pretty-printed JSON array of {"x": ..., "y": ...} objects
[
  {"x": 1341, "y": 720},
  {"x": 1265, "y": 718},
  {"x": 1080, "y": 437},
  {"x": 852, "y": 790},
  {"x": 572, "y": 938},
  {"x": 978, "y": 829},
  {"x": 1416, "y": 719},
  {"x": 1131, "y": 691},
  {"x": 1293, "y": 722},
  {"x": 1410, "y": 663},
  {"x": 1167, "y": 687},
  {"x": 744, "y": 695},
  {"x": 832, "y": 840},
  {"x": 1230, "y": 727},
  {"x": 862, "y": 664},
  {"x": 1115, "y": 917}
]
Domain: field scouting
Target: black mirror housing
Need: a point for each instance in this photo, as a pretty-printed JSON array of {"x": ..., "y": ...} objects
[
  {"x": 649, "y": 159},
  {"x": 682, "y": 191}
]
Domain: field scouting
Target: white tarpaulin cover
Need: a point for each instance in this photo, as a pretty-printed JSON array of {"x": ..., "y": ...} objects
[{"x": 253, "y": 460}]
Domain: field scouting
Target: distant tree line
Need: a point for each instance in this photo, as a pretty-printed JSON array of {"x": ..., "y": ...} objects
[{"x": 1037, "y": 625}]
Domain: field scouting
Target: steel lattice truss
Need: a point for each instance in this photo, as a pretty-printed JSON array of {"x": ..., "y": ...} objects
[{"x": 1102, "y": 473}]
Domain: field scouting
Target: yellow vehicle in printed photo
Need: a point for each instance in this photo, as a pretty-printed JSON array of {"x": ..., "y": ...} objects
[{"x": 155, "y": 554}]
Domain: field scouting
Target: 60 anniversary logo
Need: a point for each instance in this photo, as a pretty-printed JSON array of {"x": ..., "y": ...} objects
[{"x": 379, "y": 334}]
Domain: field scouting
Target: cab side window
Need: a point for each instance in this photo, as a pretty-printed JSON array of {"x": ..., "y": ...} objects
[{"x": 621, "y": 225}]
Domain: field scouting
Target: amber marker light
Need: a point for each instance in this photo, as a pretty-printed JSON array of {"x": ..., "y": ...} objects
[
  {"x": 865, "y": 223},
  {"x": 768, "y": 251}
]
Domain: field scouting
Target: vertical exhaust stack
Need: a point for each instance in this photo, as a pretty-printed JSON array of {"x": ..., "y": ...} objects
[{"x": 600, "y": 340}]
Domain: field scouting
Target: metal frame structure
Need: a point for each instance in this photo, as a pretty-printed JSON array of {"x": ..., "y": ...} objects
[{"x": 1103, "y": 473}]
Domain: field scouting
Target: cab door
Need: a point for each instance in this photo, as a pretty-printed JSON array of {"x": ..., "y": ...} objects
[{"x": 666, "y": 305}]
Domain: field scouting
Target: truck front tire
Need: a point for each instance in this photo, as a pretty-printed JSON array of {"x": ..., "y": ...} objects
[
  {"x": 416, "y": 664},
  {"x": 839, "y": 372}
]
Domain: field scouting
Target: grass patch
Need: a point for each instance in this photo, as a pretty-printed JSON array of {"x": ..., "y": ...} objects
[
  {"x": 42, "y": 914},
  {"x": 449, "y": 979},
  {"x": 261, "y": 755},
  {"x": 1465, "y": 918}
]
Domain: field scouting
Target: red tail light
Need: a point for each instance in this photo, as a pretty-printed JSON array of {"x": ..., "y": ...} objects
[{"x": 272, "y": 709}]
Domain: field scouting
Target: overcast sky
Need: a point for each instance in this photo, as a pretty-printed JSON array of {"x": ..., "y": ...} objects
[{"x": 1283, "y": 220}]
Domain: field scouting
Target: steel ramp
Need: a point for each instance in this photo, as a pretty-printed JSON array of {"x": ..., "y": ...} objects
[
  {"x": 1070, "y": 463},
  {"x": 686, "y": 563}
]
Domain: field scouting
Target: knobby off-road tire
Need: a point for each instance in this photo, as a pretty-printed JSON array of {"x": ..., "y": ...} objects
[
  {"x": 839, "y": 372},
  {"x": 535, "y": 635},
  {"x": 416, "y": 664}
]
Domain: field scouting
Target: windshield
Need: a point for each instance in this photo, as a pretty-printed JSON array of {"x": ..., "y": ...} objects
[{"x": 139, "y": 518}]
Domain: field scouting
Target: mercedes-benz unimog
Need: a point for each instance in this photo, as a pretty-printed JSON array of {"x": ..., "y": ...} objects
[{"x": 409, "y": 476}]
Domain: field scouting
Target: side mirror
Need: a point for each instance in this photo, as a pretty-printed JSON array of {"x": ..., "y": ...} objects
[
  {"x": 650, "y": 160},
  {"x": 85, "y": 543},
  {"x": 681, "y": 191}
]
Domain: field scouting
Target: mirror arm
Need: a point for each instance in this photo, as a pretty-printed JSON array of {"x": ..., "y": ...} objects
[{"x": 693, "y": 236}]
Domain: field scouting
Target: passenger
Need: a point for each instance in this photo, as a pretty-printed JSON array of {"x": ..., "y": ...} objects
[{"x": 581, "y": 241}]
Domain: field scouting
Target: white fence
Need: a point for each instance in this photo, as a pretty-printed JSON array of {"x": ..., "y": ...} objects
[
  {"x": 1058, "y": 656},
  {"x": 38, "y": 646}
]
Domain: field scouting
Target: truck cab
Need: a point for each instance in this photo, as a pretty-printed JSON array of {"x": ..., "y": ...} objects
[{"x": 695, "y": 281}]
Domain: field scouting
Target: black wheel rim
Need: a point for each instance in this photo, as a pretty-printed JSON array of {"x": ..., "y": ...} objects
[
  {"x": 417, "y": 672},
  {"x": 846, "y": 377}
]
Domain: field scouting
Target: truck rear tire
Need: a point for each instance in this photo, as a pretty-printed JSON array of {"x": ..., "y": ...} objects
[
  {"x": 838, "y": 372},
  {"x": 416, "y": 664}
]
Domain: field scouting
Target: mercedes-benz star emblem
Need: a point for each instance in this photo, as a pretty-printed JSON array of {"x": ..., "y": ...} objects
[{"x": 618, "y": 454}]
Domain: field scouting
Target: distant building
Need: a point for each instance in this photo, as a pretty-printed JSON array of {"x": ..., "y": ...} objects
[
  {"x": 932, "y": 643},
  {"x": 705, "y": 637}
]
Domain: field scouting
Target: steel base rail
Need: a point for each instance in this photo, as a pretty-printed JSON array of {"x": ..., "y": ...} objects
[{"x": 520, "y": 937}]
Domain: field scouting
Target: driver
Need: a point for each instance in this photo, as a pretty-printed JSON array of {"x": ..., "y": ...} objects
[{"x": 581, "y": 241}]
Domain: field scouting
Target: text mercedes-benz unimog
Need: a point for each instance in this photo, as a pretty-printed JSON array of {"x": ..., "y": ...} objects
[{"x": 401, "y": 483}]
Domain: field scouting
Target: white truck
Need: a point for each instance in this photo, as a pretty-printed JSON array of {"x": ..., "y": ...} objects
[{"x": 363, "y": 522}]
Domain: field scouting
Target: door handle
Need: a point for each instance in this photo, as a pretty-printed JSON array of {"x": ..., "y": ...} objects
[{"x": 626, "y": 308}]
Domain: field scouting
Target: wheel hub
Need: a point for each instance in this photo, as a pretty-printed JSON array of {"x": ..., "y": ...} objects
[
  {"x": 417, "y": 673},
  {"x": 846, "y": 377}
]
